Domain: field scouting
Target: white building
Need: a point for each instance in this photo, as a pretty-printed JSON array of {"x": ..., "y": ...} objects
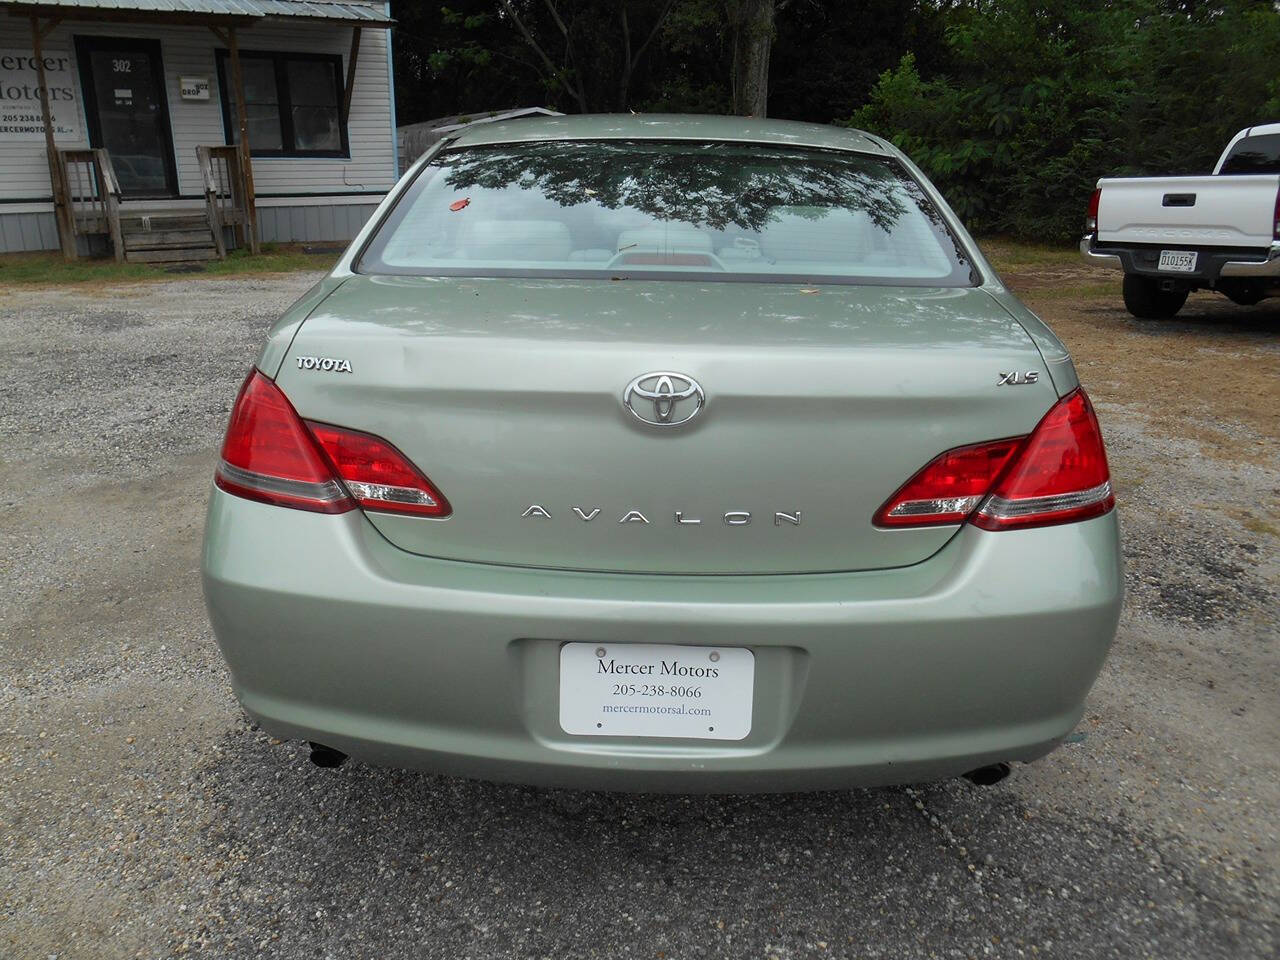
[{"x": 150, "y": 81}]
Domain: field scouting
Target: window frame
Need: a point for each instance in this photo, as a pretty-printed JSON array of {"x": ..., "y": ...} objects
[{"x": 279, "y": 61}]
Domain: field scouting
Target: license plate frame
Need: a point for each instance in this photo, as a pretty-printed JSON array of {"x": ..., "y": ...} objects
[
  {"x": 1178, "y": 261},
  {"x": 656, "y": 690}
]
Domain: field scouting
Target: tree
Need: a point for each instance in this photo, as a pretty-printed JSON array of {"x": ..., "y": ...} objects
[
  {"x": 1013, "y": 107},
  {"x": 596, "y": 46},
  {"x": 1036, "y": 99},
  {"x": 753, "y": 33},
  {"x": 455, "y": 58}
]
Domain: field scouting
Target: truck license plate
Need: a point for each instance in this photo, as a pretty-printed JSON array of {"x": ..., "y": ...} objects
[
  {"x": 656, "y": 690},
  {"x": 1180, "y": 261}
]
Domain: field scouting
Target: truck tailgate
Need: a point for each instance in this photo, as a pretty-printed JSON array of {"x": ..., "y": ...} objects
[{"x": 1211, "y": 211}]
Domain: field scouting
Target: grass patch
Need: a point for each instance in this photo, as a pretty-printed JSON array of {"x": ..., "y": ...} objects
[
  {"x": 1258, "y": 525},
  {"x": 1004, "y": 252},
  {"x": 274, "y": 258},
  {"x": 49, "y": 269},
  {"x": 1087, "y": 291}
]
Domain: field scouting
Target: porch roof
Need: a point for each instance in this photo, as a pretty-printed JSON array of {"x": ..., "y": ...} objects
[{"x": 353, "y": 12}]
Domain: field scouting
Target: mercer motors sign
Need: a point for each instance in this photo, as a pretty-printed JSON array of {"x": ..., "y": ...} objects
[{"x": 20, "y": 117}]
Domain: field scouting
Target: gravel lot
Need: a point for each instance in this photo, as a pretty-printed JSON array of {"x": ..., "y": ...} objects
[{"x": 141, "y": 816}]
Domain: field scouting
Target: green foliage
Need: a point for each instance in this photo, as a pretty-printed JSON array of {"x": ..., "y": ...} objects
[
  {"x": 1038, "y": 98},
  {"x": 1015, "y": 107}
]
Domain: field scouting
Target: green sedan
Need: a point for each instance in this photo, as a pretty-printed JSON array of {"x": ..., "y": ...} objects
[{"x": 665, "y": 453}]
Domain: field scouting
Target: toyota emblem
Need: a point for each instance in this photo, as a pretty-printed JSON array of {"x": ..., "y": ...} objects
[{"x": 664, "y": 399}]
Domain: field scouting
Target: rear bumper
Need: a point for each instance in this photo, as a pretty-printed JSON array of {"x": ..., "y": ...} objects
[
  {"x": 1213, "y": 263},
  {"x": 984, "y": 652}
]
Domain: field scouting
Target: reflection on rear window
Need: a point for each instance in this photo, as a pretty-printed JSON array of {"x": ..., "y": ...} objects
[
  {"x": 671, "y": 210},
  {"x": 1254, "y": 155}
]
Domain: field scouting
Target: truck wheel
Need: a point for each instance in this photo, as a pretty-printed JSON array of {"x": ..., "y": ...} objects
[{"x": 1146, "y": 301}]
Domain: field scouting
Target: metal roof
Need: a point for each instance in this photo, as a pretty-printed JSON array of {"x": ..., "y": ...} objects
[
  {"x": 352, "y": 11},
  {"x": 657, "y": 126}
]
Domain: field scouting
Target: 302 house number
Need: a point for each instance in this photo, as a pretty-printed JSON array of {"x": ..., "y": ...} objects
[{"x": 122, "y": 66}]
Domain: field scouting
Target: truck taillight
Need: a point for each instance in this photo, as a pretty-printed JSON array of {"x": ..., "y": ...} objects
[
  {"x": 1057, "y": 474},
  {"x": 271, "y": 455},
  {"x": 1091, "y": 218}
]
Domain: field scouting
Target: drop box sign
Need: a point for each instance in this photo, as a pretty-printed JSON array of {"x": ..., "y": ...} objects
[{"x": 20, "y": 117}]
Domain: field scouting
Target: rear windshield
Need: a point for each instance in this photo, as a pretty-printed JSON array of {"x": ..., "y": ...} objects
[
  {"x": 1259, "y": 154},
  {"x": 667, "y": 210}
]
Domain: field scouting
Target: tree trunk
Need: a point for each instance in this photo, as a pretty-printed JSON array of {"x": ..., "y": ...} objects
[{"x": 752, "y": 44}]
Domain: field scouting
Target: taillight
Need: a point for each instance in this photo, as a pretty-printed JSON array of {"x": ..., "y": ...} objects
[
  {"x": 1060, "y": 475},
  {"x": 1091, "y": 219},
  {"x": 949, "y": 487},
  {"x": 378, "y": 475},
  {"x": 1057, "y": 474},
  {"x": 271, "y": 455},
  {"x": 1276, "y": 234},
  {"x": 268, "y": 454}
]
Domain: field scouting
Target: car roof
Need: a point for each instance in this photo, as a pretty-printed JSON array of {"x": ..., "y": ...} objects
[
  {"x": 1258, "y": 130},
  {"x": 657, "y": 126}
]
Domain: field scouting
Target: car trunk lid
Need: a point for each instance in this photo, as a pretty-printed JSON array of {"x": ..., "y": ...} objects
[{"x": 819, "y": 403}]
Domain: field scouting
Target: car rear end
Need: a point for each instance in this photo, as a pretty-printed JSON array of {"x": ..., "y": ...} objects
[{"x": 572, "y": 476}]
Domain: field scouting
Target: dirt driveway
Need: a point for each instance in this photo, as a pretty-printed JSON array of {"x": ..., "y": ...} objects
[{"x": 140, "y": 816}]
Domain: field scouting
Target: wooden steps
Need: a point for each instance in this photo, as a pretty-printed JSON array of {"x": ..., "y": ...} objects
[{"x": 168, "y": 237}]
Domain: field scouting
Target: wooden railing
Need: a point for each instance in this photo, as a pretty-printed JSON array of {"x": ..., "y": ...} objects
[
  {"x": 92, "y": 192},
  {"x": 225, "y": 195}
]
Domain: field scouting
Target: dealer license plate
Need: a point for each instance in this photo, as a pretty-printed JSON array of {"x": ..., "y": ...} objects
[
  {"x": 656, "y": 690},
  {"x": 1180, "y": 261}
]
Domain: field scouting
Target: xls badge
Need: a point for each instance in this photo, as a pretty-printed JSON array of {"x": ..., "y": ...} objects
[{"x": 1018, "y": 378}]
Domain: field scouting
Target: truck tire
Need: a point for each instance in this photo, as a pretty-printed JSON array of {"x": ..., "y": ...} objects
[{"x": 1145, "y": 300}]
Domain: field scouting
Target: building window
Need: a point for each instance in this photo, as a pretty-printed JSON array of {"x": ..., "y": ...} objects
[{"x": 292, "y": 101}]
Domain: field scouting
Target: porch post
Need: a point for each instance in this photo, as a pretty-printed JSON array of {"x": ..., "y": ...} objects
[
  {"x": 242, "y": 120},
  {"x": 62, "y": 211},
  {"x": 351, "y": 75}
]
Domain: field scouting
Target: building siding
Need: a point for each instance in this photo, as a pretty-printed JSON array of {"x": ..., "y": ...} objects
[
  {"x": 20, "y": 232},
  {"x": 329, "y": 223},
  {"x": 25, "y": 205}
]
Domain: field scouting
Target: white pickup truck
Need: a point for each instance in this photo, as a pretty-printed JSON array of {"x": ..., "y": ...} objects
[{"x": 1172, "y": 235}]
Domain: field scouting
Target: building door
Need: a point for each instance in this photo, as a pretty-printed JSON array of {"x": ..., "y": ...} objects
[{"x": 127, "y": 112}]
